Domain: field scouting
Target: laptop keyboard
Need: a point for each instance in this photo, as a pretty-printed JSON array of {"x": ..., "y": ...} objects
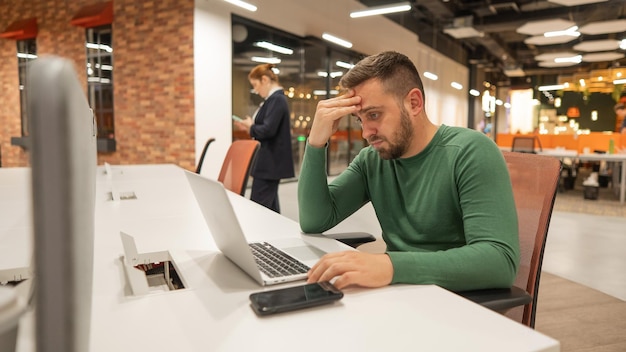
[{"x": 274, "y": 262}]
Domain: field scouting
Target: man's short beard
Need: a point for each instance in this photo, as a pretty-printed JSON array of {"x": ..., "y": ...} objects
[{"x": 401, "y": 139}]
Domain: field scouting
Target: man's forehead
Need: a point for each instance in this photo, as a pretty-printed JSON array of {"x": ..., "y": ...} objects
[{"x": 371, "y": 90}]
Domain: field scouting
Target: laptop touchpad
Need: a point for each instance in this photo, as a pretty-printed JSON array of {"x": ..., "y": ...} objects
[{"x": 304, "y": 253}]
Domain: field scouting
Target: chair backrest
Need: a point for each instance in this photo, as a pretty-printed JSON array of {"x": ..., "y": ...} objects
[
  {"x": 206, "y": 146},
  {"x": 237, "y": 165},
  {"x": 525, "y": 144},
  {"x": 535, "y": 179}
]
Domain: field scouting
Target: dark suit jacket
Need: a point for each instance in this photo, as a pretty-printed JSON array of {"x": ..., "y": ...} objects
[{"x": 273, "y": 129}]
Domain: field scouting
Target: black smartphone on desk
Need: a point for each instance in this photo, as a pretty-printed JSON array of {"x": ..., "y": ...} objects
[{"x": 292, "y": 298}]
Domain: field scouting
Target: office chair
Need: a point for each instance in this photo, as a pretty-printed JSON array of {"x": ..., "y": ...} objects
[
  {"x": 525, "y": 144},
  {"x": 535, "y": 180},
  {"x": 237, "y": 165},
  {"x": 201, "y": 161}
]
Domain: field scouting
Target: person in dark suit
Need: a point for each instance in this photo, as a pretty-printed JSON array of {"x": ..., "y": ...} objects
[{"x": 271, "y": 126}]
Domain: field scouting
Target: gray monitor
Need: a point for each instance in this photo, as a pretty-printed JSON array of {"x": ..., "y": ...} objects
[{"x": 63, "y": 159}]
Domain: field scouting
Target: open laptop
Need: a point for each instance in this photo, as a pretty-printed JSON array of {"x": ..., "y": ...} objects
[{"x": 230, "y": 239}]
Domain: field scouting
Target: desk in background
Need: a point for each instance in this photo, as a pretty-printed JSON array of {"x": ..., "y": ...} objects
[
  {"x": 616, "y": 158},
  {"x": 212, "y": 313}
]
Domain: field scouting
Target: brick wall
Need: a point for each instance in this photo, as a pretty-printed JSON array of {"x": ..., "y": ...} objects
[{"x": 153, "y": 75}]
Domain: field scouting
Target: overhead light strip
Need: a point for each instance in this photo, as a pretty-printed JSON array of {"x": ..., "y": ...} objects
[
  {"x": 553, "y": 87},
  {"x": 26, "y": 56},
  {"x": 243, "y": 5},
  {"x": 431, "y": 75},
  {"x": 333, "y": 39},
  {"x": 575, "y": 59},
  {"x": 571, "y": 31},
  {"x": 274, "y": 47},
  {"x": 382, "y": 10},
  {"x": 344, "y": 64},
  {"x": 266, "y": 60}
]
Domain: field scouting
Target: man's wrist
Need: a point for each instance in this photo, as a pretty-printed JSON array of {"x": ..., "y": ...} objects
[{"x": 316, "y": 145}]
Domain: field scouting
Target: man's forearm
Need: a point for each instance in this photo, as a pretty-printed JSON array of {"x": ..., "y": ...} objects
[{"x": 313, "y": 195}]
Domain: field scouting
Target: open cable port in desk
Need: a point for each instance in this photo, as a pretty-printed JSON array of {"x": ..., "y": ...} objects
[
  {"x": 148, "y": 273},
  {"x": 161, "y": 276}
]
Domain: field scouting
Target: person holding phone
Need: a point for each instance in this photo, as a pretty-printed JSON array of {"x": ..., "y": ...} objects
[
  {"x": 442, "y": 194},
  {"x": 271, "y": 126}
]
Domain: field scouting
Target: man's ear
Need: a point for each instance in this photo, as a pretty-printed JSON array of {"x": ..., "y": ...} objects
[{"x": 415, "y": 100}]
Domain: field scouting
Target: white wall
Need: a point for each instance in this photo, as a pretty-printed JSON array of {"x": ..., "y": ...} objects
[{"x": 213, "y": 52}]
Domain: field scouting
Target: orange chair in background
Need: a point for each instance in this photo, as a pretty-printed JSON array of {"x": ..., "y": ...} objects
[{"x": 237, "y": 165}]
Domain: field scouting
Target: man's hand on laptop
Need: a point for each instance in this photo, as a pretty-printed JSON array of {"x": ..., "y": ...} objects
[{"x": 353, "y": 268}]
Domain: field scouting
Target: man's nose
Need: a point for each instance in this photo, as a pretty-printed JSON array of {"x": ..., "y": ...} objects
[{"x": 367, "y": 130}]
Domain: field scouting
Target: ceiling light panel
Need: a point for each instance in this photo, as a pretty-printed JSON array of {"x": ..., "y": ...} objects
[
  {"x": 514, "y": 72},
  {"x": 604, "y": 27},
  {"x": 598, "y": 57},
  {"x": 540, "y": 27},
  {"x": 552, "y": 56},
  {"x": 542, "y": 40},
  {"x": 463, "y": 32},
  {"x": 598, "y": 45},
  {"x": 551, "y": 64},
  {"x": 575, "y": 2}
]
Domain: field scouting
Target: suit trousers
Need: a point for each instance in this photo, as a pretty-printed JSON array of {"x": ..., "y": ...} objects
[{"x": 265, "y": 192}]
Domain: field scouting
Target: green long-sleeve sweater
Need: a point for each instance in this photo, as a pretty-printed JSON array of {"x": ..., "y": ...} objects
[{"x": 447, "y": 214}]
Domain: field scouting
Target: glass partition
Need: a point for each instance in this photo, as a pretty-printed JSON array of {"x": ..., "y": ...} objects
[{"x": 308, "y": 70}]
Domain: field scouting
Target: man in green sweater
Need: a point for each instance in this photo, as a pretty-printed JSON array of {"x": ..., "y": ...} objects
[{"x": 442, "y": 194}]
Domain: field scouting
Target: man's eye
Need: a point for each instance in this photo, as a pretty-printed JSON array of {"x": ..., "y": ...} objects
[
  {"x": 357, "y": 119},
  {"x": 373, "y": 116}
]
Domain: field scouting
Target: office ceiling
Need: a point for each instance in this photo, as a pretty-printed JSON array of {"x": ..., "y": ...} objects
[{"x": 505, "y": 38}]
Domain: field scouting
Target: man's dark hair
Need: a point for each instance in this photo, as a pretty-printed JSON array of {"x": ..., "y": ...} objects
[{"x": 396, "y": 72}]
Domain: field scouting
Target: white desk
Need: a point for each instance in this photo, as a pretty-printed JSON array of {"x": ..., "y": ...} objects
[
  {"x": 15, "y": 224},
  {"x": 212, "y": 313},
  {"x": 617, "y": 158}
]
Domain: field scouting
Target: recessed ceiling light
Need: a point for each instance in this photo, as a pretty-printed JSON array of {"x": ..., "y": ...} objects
[
  {"x": 274, "y": 47},
  {"x": 242, "y": 4},
  {"x": 431, "y": 75},
  {"x": 381, "y": 10},
  {"x": 266, "y": 60},
  {"x": 344, "y": 64},
  {"x": 333, "y": 39}
]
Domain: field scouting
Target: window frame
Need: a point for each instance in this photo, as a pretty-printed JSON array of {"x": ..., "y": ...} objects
[{"x": 100, "y": 87}]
